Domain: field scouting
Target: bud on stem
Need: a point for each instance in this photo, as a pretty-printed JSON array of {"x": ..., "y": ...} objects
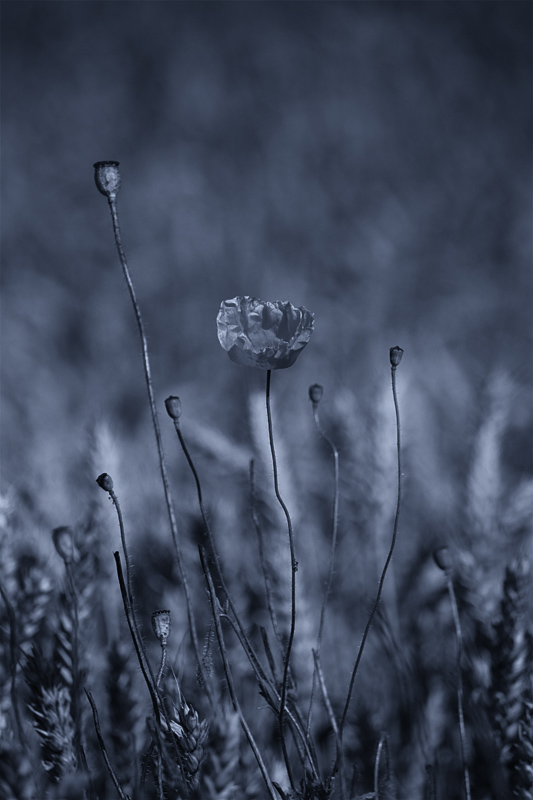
[
  {"x": 396, "y": 354},
  {"x": 107, "y": 178}
]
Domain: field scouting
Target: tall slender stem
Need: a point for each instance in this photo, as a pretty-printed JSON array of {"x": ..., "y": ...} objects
[
  {"x": 229, "y": 677},
  {"x": 294, "y": 568},
  {"x": 333, "y": 548},
  {"x": 389, "y": 556},
  {"x": 155, "y": 419},
  {"x": 459, "y": 639}
]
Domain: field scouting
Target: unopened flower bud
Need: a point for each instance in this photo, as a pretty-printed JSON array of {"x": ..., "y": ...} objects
[
  {"x": 315, "y": 393},
  {"x": 443, "y": 559},
  {"x": 396, "y": 354},
  {"x": 64, "y": 543},
  {"x": 105, "y": 482},
  {"x": 173, "y": 406},
  {"x": 161, "y": 625},
  {"x": 107, "y": 178}
]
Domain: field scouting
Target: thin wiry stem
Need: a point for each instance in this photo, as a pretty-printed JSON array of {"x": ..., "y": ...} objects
[
  {"x": 382, "y": 744},
  {"x": 331, "y": 715},
  {"x": 459, "y": 640},
  {"x": 229, "y": 677},
  {"x": 333, "y": 548},
  {"x": 141, "y": 655},
  {"x": 155, "y": 420},
  {"x": 262, "y": 559},
  {"x": 162, "y": 664},
  {"x": 207, "y": 527},
  {"x": 388, "y": 560},
  {"x": 101, "y": 742},
  {"x": 302, "y": 743},
  {"x": 146, "y": 669},
  {"x": 294, "y": 568}
]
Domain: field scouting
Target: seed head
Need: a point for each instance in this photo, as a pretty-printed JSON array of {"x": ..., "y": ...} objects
[
  {"x": 396, "y": 354},
  {"x": 105, "y": 482},
  {"x": 315, "y": 393},
  {"x": 161, "y": 625},
  {"x": 443, "y": 559},
  {"x": 64, "y": 543},
  {"x": 173, "y": 406},
  {"x": 107, "y": 178}
]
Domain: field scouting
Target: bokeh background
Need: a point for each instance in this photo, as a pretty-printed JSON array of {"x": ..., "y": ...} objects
[{"x": 369, "y": 160}]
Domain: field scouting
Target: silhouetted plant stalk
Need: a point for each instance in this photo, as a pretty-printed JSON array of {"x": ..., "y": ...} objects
[
  {"x": 13, "y": 661},
  {"x": 173, "y": 406},
  {"x": 294, "y": 568},
  {"x": 108, "y": 181},
  {"x": 315, "y": 395},
  {"x": 264, "y": 565},
  {"x": 444, "y": 562},
  {"x": 396, "y": 354},
  {"x": 215, "y": 609},
  {"x": 103, "y": 748}
]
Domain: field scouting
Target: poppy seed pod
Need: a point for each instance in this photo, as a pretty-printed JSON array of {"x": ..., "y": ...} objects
[
  {"x": 105, "y": 482},
  {"x": 64, "y": 543},
  {"x": 161, "y": 625},
  {"x": 173, "y": 407},
  {"x": 443, "y": 559},
  {"x": 396, "y": 354},
  {"x": 261, "y": 334},
  {"x": 107, "y": 178},
  {"x": 315, "y": 393}
]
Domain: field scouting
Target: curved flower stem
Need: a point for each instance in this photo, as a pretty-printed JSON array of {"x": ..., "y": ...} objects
[
  {"x": 262, "y": 559},
  {"x": 333, "y": 548},
  {"x": 155, "y": 419},
  {"x": 382, "y": 744},
  {"x": 294, "y": 568},
  {"x": 229, "y": 677},
  {"x": 214, "y": 554},
  {"x": 101, "y": 742},
  {"x": 387, "y": 562},
  {"x": 459, "y": 640}
]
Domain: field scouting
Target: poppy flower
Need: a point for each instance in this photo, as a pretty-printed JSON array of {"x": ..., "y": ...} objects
[{"x": 263, "y": 334}]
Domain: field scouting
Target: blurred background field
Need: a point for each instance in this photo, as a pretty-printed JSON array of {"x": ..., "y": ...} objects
[{"x": 369, "y": 160}]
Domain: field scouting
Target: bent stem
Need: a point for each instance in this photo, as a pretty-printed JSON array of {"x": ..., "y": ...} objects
[
  {"x": 229, "y": 678},
  {"x": 155, "y": 420},
  {"x": 101, "y": 742},
  {"x": 387, "y": 562},
  {"x": 262, "y": 558},
  {"x": 294, "y": 567},
  {"x": 333, "y": 548},
  {"x": 459, "y": 640}
]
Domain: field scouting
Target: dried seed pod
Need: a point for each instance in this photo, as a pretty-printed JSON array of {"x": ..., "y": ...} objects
[{"x": 161, "y": 625}]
